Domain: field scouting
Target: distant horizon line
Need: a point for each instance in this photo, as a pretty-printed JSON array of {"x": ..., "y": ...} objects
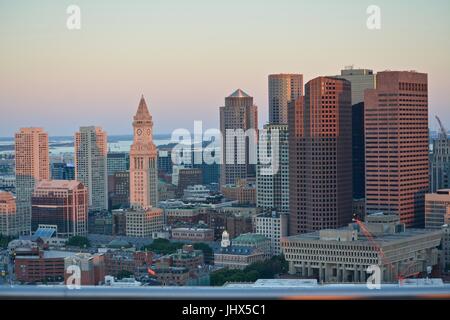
[{"x": 109, "y": 135}]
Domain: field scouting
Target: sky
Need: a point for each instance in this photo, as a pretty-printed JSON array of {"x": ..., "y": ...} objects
[{"x": 186, "y": 56}]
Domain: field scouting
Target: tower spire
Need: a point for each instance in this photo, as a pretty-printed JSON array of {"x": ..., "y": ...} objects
[{"x": 142, "y": 111}]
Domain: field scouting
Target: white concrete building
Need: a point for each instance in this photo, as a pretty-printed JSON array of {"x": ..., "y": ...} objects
[
  {"x": 344, "y": 255},
  {"x": 272, "y": 180},
  {"x": 274, "y": 226}
]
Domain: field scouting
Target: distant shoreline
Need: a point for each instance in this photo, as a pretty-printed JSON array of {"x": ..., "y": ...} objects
[{"x": 67, "y": 141}]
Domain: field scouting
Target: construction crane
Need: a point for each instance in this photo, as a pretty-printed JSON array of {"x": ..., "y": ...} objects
[
  {"x": 441, "y": 126},
  {"x": 384, "y": 259}
]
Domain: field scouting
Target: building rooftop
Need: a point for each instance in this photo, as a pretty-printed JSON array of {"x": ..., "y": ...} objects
[
  {"x": 50, "y": 254},
  {"x": 362, "y": 238},
  {"x": 191, "y": 229},
  {"x": 57, "y": 184},
  {"x": 239, "y": 94},
  {"x": 250, "y": 238},
  {"x": 275, "y": 283},
  {"x": 43, "y": 233}
]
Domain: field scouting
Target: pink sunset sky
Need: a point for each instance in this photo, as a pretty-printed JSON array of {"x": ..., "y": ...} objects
[{"x": 186, "y": 56}]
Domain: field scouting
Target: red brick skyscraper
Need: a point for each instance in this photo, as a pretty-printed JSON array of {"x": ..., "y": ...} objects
[
  {"x": 396, "y": 131},
  {"x": 320, "y": 156}
]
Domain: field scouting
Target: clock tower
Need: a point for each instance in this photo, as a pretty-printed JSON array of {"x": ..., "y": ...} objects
[{"x": 143, "y": 160}]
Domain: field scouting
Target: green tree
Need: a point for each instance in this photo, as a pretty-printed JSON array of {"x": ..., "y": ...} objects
[
  {"x": 163, "y": 246},
  {"x": 79, "y": 241},
  {"x": 258, "y": 270}
]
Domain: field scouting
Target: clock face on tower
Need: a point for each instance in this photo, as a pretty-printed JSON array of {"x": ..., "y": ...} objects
[
  {"x": 139, "y": 132},
  {"x": 148, "y": 132}
]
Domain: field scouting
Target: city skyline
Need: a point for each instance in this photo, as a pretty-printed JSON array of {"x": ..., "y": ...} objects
[{"x": 102, "y": 68}]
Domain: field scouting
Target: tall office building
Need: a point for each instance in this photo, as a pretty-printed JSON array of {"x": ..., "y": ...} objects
[
  {"x": 143, "y": 160},
  {"x": 272, "y": 180},
  {"x": 118, "y": 162},
  {"x": 32, "y": 165},
  {"x": 119, "y": 190},
  {"x": 91, "y": 166},
  {"x": 440, "y": 161},
  {"x": 283, "y": 88},
  {"x": 61, "y": 203},
  {"x": 361, "y": 80},
  {"x": 238, "y": 114},
  {"x": 320, "y": 144},
  {"x": 7, "y": 214},
  {"x": 396, "y": 144},
  {"x": 62, "y": 171}
]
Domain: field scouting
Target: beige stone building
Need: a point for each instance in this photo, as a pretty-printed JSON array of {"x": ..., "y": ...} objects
[
  {"x": 143, "y": 222},
  {"x": 344, "y": 255},
  {"x": 143, "y": 160},
  {"x": 283, "y": 88},
  {"x": 32, "y": 165},
  {"x": 193, "y": 234},
  {"x": 7, "y": 214}
]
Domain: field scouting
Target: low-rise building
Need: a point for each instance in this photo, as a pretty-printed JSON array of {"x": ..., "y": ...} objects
[
  {"x": 437, "y": 208},
  {"x": 188, "y": 258},
  {"x": 345, "y": 254},
  {"x": 143, "y": 222},
  {"x": 237, "y": 257},
  {"x": 44, "y": 266},
  {"x": 185, "y": 214},
  {"x": 171, "y": 276},
  {"x": 244, "y": 192},
  {"x": 196, "y": 193},
  {"x": 135, "y": 262},
  {"x": 254, "y": 240},
  {"x": 240, "y": 254},
  {"x": 193, "y": 234},
  {"x": 91, "y": 267}
]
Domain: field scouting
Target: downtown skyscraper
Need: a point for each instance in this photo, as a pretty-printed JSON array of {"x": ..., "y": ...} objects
[
  {"x": 143, "y": 160},
  {"x": 32, "y": 166},
  {"x": 320, "y": 149},
  {"x": 361, "y": 80},
  {"x": 272, "y": 188},
  {"x": 91, "y": 165},
  {"x": 396, "y": 144},
  {"x": 440, "y": 161},
  {"x": 283, "y": 88},
  {"x": 237, "y": 116}
]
